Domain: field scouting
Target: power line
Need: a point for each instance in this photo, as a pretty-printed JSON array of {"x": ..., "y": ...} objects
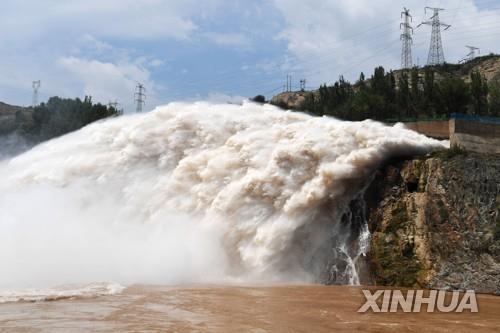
[
  {"x": 272, "y": 91},
  {"x": 366, "y": 31},
  {"x": 477, "y": 28},
  {"x": 379, "y": 52},
  {"x": 270, "y": 83},
  {"x": 456, "y": 12},
  {"x": 319, "y": 61},
  {"x": 476, "y": 5}
]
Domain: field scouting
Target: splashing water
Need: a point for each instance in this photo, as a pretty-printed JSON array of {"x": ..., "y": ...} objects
[{"x": 190, "y": 193}]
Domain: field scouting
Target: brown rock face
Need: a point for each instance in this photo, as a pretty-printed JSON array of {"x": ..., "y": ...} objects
[
  {"x": 435, "y": 223},
  {"x": 292, "y": 100}
]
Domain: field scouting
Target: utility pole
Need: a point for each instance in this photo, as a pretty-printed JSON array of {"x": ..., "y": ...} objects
[
  {"x": 407, "y": 39},
  {"x": 140, "y": 97},
  {"x": 436, "y": 53},
  {"x": 115, "y": 105},
  {"x": 472, "y": 52},
  {"x": 303, "y": 85},
  {"x": 36, "y": 88}
]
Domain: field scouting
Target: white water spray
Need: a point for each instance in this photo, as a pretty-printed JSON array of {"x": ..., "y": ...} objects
[{"x": 187, "y": 193}]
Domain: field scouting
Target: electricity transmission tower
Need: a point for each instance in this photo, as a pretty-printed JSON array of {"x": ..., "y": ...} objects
[
  {"x": 140, "y": 97},
  {"x": 36, "y": 88},
  {"x": 303, "y": 85},
  {"x": 407, "y": 39},
  {"x": 472, "y": 52},
  {"x": 436, "y": 53},
  {"x": 115, "y": 105},
  {"x": 288, "y": 86}
]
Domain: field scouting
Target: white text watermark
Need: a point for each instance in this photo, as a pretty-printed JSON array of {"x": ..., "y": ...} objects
[{"x": 435, "y": 301}]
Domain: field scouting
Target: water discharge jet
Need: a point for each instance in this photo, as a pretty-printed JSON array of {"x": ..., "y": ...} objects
[{"x": 192, "y": 193}]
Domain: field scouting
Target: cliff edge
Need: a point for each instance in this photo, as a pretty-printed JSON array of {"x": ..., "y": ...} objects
[{"x": 435, "y": 223}]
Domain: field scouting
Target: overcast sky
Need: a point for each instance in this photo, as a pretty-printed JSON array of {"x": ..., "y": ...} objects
[{"x": 215, "y": 49}]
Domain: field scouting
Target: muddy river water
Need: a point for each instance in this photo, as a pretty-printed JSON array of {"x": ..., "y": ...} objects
[{"x": 235, "y": 309}]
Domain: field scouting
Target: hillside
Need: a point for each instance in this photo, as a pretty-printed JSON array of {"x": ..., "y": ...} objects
[
  {"x": 11, "y": 116},
  {"x": 426, "y": 92},
  {"x": 489, "y": 66},
  {"x": 21, "y": 128}
]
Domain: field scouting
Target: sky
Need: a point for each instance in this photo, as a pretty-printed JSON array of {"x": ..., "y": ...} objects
[{"x": 218, "y": 50}]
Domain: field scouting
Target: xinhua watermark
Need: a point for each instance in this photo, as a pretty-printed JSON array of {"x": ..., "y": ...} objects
[{"x": 413, "y": 301}]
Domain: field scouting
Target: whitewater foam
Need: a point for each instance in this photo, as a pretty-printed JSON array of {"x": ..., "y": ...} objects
[
  {"x": 61, "y": 293},
  {"x": 187, "y": 193}
]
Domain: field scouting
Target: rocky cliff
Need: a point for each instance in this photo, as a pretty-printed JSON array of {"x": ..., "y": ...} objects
[
  {"x": 435, "y": 223},
  {"x": 292, "y": 100}
]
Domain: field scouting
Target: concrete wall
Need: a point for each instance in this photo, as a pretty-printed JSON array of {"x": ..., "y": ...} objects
[
  {"x": 477, "y": 128},
  {"x": 477, "y": 136},
  {"x": 434, "y": 129},
  {"x": 476, "y": 143}
]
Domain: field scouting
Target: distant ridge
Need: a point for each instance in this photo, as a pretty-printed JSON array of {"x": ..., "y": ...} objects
[
  {"x": 10, "y": 115},
  {"x": 10, "y": 109}
]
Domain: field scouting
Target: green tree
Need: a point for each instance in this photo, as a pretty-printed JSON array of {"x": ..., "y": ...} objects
[
  {"x": 310, "y": 104},
  {"x": 366, "y": 105},
  {"x": 494, "y": 96},
  {"x": 429, "y": 91},
  {"x": 416, "y": 95},
  {"x": 384, "y": 86},
  {"x": 379, "y": 82},
  {"x": 259, "y": 99},
  {"x": 404, "y": 95},
  {"x": 479, "y": 93},
  {"x": 452, "y": 96},
  {"x": 335, "y": 100},
  {"x": 361, "y": 84},
  {"x": 60, "y": 116}
]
